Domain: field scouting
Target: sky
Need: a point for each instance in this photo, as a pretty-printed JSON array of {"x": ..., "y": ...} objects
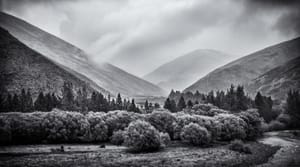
[{"x": 140, "y": 35}]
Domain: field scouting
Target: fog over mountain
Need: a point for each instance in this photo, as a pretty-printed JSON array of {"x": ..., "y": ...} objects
[
  {"x": 139, "y": 36},
  {"x": 272, "y": 70},
  {"x": 184, "y": 70},
  {"x": 74, "y": 60}
]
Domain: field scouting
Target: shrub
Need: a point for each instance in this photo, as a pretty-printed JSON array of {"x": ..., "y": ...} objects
[
  {"x": 165, "y": 139},
  {"x": 239, "y": 146},
  {"x": 195, "y": 135},
  {"x": 26, "y": 128},
  {"x": 232, "y": 127},
  {"x": 285, "y": 119},
  {"x": 142, "y": 136},
  {"x": 118, "y": 137},
  {"x": 204, "y": 107},
  {"x": 212, "y": 112},
  {"x": 162, "y": 121},
  {"x": 275, "y": 125},
  {"x": 64, "y": 126},
  {"x": 119, "y": 120},
  {"x": 208, "y": 122},
  {"x": 254, "y": 123},
  {"x": 5, "y": 131},
  {"x": 98, "y": 128}
]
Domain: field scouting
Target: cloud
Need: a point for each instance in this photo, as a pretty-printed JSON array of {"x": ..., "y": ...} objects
[{"x": 140, "y": 35}]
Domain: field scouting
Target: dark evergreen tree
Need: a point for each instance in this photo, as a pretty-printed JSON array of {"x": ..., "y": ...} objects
[
  {"x": 181, "y": 104},
  {"x": 190, "y": 104},
  {"x": 168, "y": 104},
  {"x": 119, "y": 102},
  {"x": 132, "y": 106},
  {"x": 16, "y": 103},
  {"x": 241, "y": 99},
  {"x": 264, "y": 106},
  {"x": 55, "y": 101},
  {"x": 293, "y": 108},
  {"x": 146, "y": 105},
  {"x": 156, "y": 105},
  {"x": 40, "y": 103},
  {"x": 29, "y": 102},
  {"x": 68, "y": 102}
]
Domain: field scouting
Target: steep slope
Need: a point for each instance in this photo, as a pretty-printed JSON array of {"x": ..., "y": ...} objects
[
  {"x": 278, "y": 81},
  {"x": 247, "y": 68},
  {"x": 185, "y": 70},
  {"x": 68, "y": 56},
  {"x": 22, "y": 67}
]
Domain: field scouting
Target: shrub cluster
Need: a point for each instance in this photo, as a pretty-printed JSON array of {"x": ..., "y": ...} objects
[
  {"x": 138, "y": 131},
  {"x": 163, "y": 121},
  {"x": 195, "y": 134},
  {"x": 142, "y": 136},
  {"x": 239, "y": 146}
]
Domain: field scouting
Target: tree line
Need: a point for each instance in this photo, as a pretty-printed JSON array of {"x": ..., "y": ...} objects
[
  {"x": 235, "y": 100},
  {"x": 69, "y": 101}
]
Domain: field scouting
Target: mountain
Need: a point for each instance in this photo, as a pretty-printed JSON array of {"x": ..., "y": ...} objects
[
  {"x": 278, "y": 81},
  {"x": 72, "y": 59},
  {"x": 246, "y": 69},
  {"x": 22, "y": 67},
  {"x": 183, "y": 71}
]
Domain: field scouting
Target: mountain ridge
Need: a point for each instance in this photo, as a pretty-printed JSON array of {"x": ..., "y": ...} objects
[
  {"x": 245, "y": 69},
  {"x": 69, "y": 57},
  {"x": 183, "y": 71}
]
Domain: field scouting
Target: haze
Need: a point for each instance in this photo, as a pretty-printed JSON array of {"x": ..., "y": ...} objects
[{"x": 140, "y": 35}]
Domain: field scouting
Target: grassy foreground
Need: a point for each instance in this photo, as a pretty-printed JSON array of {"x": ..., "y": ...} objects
[{"x": 174, "y": 156}]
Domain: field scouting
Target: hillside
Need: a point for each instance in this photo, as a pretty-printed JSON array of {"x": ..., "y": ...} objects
[
  {"x": 247, "y": 68},
  {"x": 185, "y": 70},
  {"x": 69, "y": 57},
  {"x": 22, "y": 67},
  {"x": 278, "y": 81}
]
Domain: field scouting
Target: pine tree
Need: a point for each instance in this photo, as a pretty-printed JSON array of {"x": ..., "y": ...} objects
[
  {"x": 181, "y": 104},
  {"x": 29, "y": 102},
  {"x": 156, "y": 105},
  {"x": 48, "y": 102},
  {"x": 293, "y": 107},
  {"x": 16, "y": 103},
  {"x": 55, "y": 101},
  {"x": 40, "y": 103},
  {"x": 241, "y": 99},
  {"x": 119, "y": 102},
  {"x": 190, "y": 104},
  {"x": 22, "y": 100},
  {"x": 132, "y": 106},
  {"x": 146, "y": 105},
  {"x": 168, "y": 104},
  {"x": 68, "y": 102}
]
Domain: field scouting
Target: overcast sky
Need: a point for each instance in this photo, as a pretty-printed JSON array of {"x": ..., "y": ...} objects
[{"x": 140, "y": 35}]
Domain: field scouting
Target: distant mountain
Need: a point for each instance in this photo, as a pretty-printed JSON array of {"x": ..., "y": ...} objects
[
  {"x": 73, "y": 59},
  {"x": 185, "y": 70},
  {"x": 22, "y": 67},
  {"x": 246, "y": 69},
  {"x": 278, "y": 81}
]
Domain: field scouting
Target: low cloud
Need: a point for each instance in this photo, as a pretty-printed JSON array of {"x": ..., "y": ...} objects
[{"x": 139, "y": 35}]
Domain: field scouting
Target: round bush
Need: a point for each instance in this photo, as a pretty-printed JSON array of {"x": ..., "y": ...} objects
[
  {"x": 64, "y": 126},
  {"x": 142, "y": 136},
  {"x": 118, "y": 137},
  {"x": 162, "y": 121},
  {"x": 98, "y": 128},
  {"x": 119, "y": 120},
  {"x": 254, "y": 123},
  {"x": 165, "y": 139},
  {"x": 232, "y": 127},
  {"x": 195, "y": 135}
]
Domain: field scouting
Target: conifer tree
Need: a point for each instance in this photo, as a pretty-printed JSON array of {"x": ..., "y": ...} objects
[
  {"x": 29, "y": 102},
  {"x": 146, "y": 105},
  {"x": 68, "y": 102},
  {"x": 190, "y": 104},
  {"x": 40, "y": 103},
  {"x": 16, "y": 103},
  {"x": 181, "y": 104},
  {"x": 119, "y": 102}
]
